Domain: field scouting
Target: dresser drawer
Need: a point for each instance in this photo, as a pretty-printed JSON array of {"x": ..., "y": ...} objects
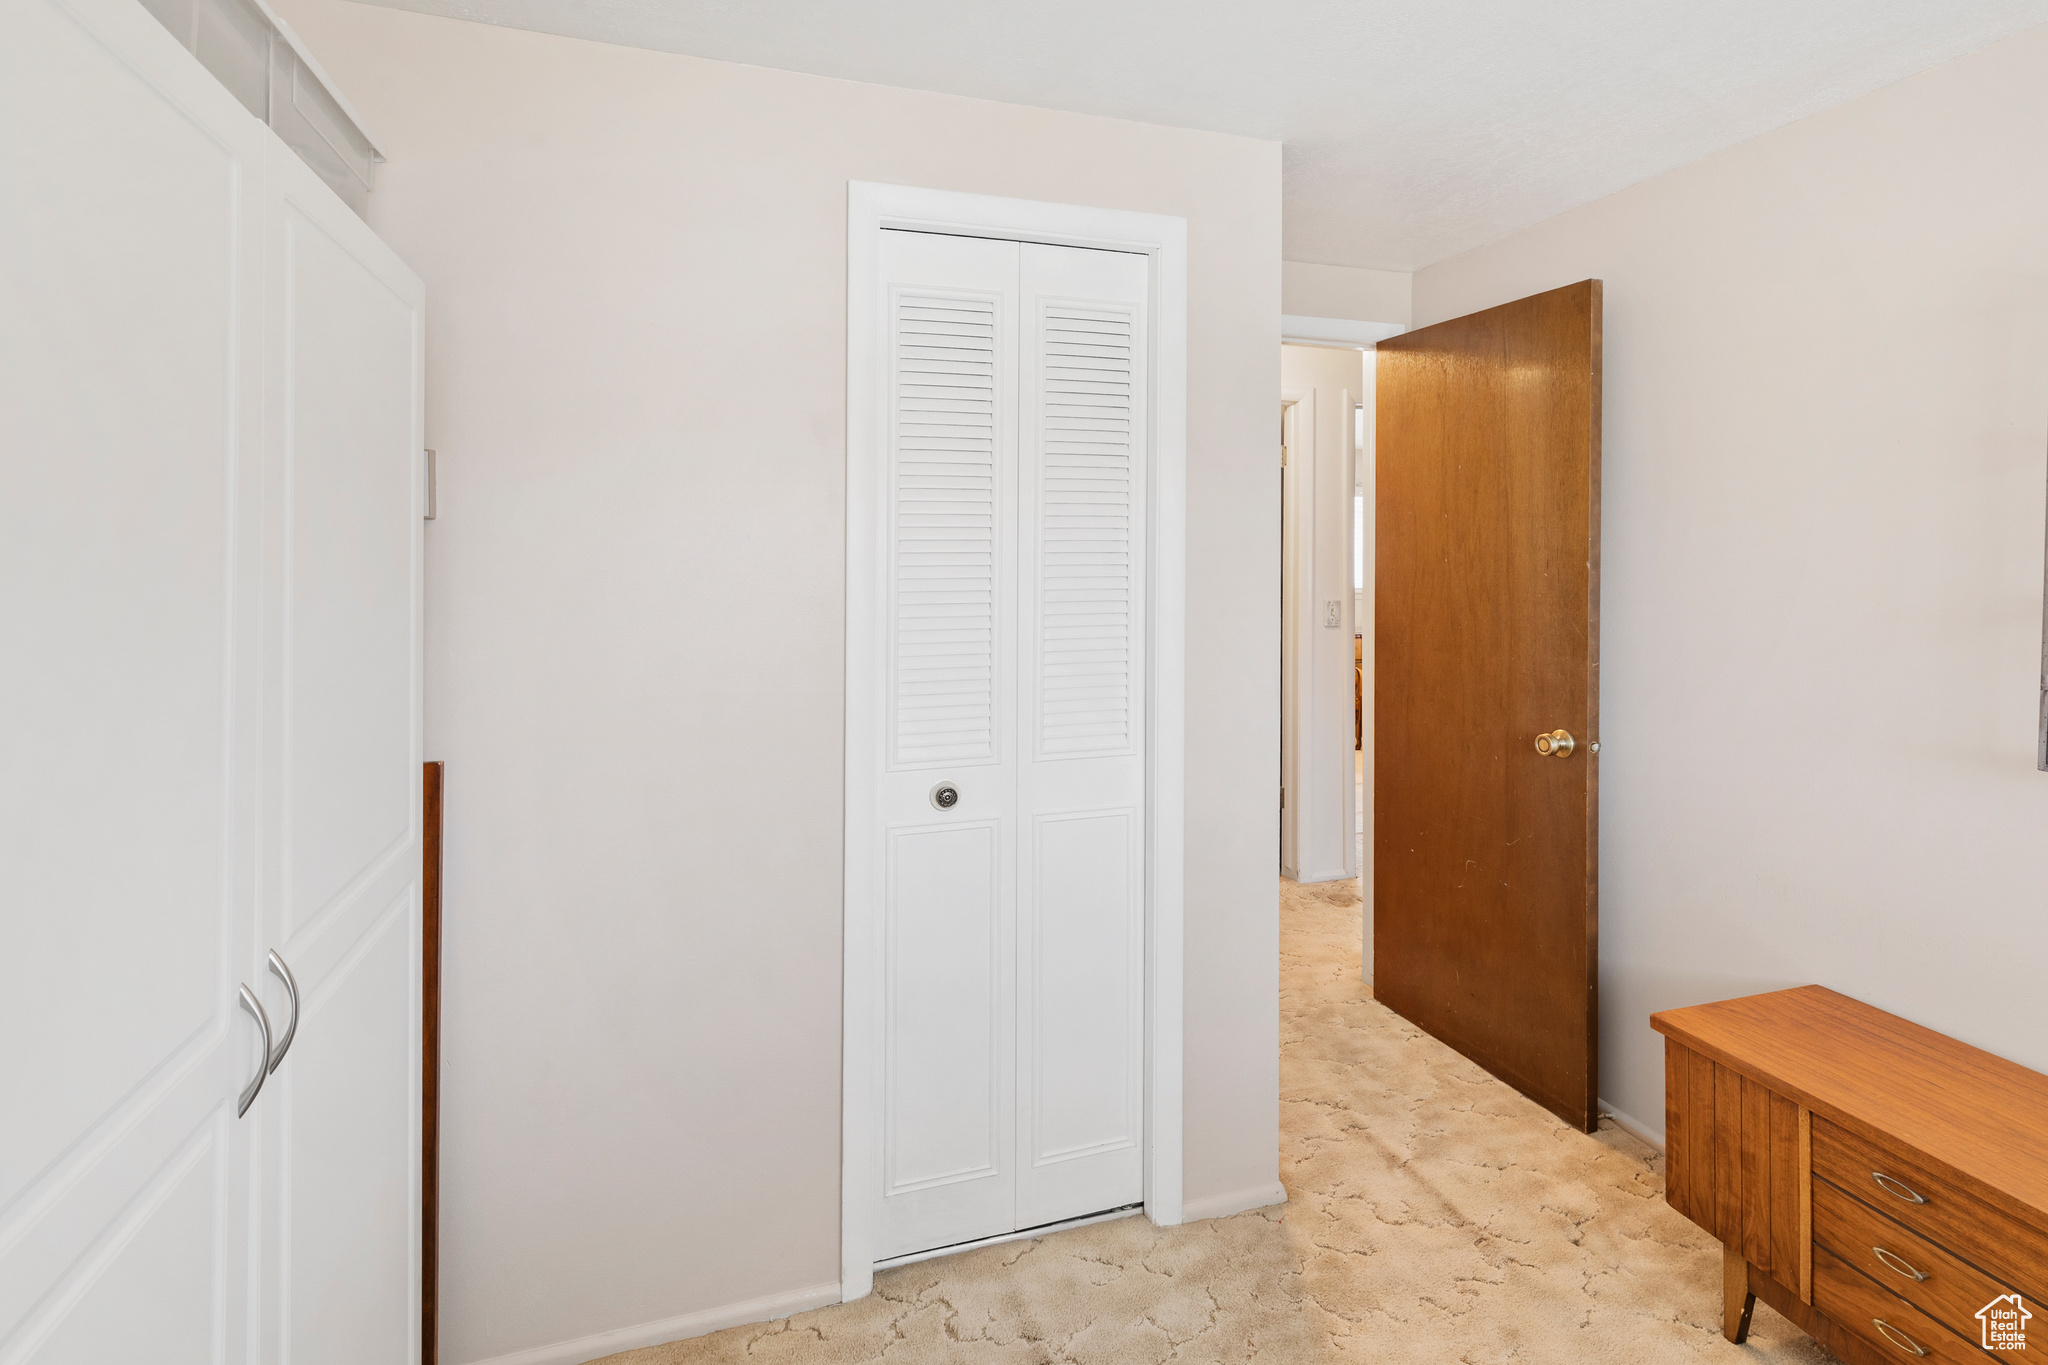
[
  {"x": 1905, "y": 1189},
  {"x": 1948, "y": 1290},
  {"x": 1898, "y": 1329}
]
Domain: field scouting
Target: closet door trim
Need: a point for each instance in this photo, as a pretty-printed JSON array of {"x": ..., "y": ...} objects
[{"x": 872, "y": 208}]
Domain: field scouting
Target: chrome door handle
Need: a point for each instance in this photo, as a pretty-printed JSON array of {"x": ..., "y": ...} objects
[
  {"x": 1556, "y": 744},
  {"x": 1896, "y": 1264},
  {"x": 1898, "y": 1189},
  {"x": 291, "y": 1025},
  {"x": 255, "y": 1007}
]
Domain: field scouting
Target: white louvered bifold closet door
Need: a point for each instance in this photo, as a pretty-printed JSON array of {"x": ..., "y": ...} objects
[
  {"x": 949, "y": 900},
  {"x": 1012, "y": 571},
  {"x": 1081, "y": 772}
]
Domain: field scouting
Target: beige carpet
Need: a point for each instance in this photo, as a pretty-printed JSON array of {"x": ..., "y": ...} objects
[{"x": 1433, "y": 1216}]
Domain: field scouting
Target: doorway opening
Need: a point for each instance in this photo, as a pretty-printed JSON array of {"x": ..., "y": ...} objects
[
  {"x": 1458, "y": 468},
  {"x": 1322, "y": 390}
]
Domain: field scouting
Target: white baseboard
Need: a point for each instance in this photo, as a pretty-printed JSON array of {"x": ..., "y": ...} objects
[
  {"x": 1236, "y": 1201},
  {"x": 673, "y": 1329},
  {"x": 1653, "y": 1136},
  {"x": 1316, "y": 878}
]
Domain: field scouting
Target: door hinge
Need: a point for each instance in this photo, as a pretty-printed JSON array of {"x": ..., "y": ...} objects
[
  {"x": 432, "y": 499},
  {"x": 1283, "y": 798}
]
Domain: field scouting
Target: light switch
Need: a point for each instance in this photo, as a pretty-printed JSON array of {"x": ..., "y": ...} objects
[{"x": 1333, "y": 614}]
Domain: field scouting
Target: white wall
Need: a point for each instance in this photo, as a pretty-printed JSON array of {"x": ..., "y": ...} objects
[
  {"x": 1318, "y": 695},
  {"x": 1826, "y": 406},
  {"x": 635, "y": 266},
  {"x": 1342, "y": 291}
]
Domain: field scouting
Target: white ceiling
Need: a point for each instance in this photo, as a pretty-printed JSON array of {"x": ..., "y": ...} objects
[{"x": 1414, "y": 129}]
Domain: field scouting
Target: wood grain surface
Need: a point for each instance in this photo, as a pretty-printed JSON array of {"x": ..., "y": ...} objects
[
  {"x": 430, "y": 1064},
  {"x": 1485, "y": 867},
  {"x": 1972, "y": 1119},
  {"x": 1734, "y": 1163},
  {"x": 1738, "y": 1301},
  {"x": 1950, "y": 1291},
  {"x": 1859, "y": 1303},
  {"x": 1952, "y": 1216},
  {"x": 1840, "y": 1343}
]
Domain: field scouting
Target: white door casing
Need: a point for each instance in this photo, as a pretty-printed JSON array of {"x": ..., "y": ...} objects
[
  {"x": 178, "y": 372},
  {"x": 1014, "y": 628},
  {"x": 1319, "y": 822},
  {"x": 1297, "y": 590}
]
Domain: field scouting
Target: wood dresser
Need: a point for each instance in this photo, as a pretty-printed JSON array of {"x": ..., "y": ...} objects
[{"x": 1876, "y": 1182}]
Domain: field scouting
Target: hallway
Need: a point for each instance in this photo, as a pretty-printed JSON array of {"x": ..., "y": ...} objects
[{"x": 1434, "y": 1215}]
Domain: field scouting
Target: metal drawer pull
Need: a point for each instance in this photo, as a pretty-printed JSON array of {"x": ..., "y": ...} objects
[
  {"x": 1896, "y": 1264},
  {"x": 291, "y": 1025},
  {"x": 1898, "y": 1338},
  {"x": 255, "y": 1007},
  {"x": 1897, "y": 1188}
]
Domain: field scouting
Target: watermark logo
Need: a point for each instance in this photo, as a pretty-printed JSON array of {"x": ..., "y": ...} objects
[{"x": 2005, "y": 1323}]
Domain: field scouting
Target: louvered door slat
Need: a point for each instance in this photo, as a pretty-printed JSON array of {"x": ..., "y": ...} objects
[
  {"x": 1085, "y": 529},
  {"x": 943, "y": 655}
]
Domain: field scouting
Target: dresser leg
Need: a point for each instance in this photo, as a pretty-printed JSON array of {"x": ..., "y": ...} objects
[{"x": 1737, "y": 1303}]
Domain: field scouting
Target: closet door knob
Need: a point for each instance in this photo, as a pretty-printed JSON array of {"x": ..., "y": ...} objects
[
  {"x": 249, "y": 1091},
  {"x": 1556, "y": 744},
  {"x": 291, "y": 1024}
]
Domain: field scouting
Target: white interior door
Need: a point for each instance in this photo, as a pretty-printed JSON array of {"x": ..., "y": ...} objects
[
  {"x": 1081, "y": 772},
  {"x": 1011, "y": 782},
  {"x": 129, "y": 389},
  {"x": 340, "y": 901},
  {"x": 949, "y": 898}
]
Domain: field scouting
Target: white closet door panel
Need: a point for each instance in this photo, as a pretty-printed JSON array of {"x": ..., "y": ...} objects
[
  {"x": 350, "y": 1134},
  {"x": 1082, "y": 556},
  {"x": 948, "y": 1075},
  {"x": 1081, "y": 964},
  {"x": 342, "y": 1148},
  {"x": 129, "y": 385},
  {"x": 351, "y": 479},
  {"x": 948, "y": 895},
  {"x": 150, "y": 1291}
]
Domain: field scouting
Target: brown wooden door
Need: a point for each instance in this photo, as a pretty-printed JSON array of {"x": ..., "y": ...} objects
[{"x": 1485, "y": 851}]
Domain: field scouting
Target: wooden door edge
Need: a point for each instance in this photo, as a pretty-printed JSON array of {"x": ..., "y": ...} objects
[
  {"x": 1579, "y": 1112},
  {"x": 430, "y": 1060}
]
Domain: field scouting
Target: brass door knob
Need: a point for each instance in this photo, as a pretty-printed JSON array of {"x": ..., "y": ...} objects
[{"x": 1556, "y": 744}]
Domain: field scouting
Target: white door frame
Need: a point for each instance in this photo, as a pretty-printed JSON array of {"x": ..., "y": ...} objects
[
  {"x": 870, "y": 209},
  {"x": 1318, "y": 841},
  {"x": 1297, "y": 614}
]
